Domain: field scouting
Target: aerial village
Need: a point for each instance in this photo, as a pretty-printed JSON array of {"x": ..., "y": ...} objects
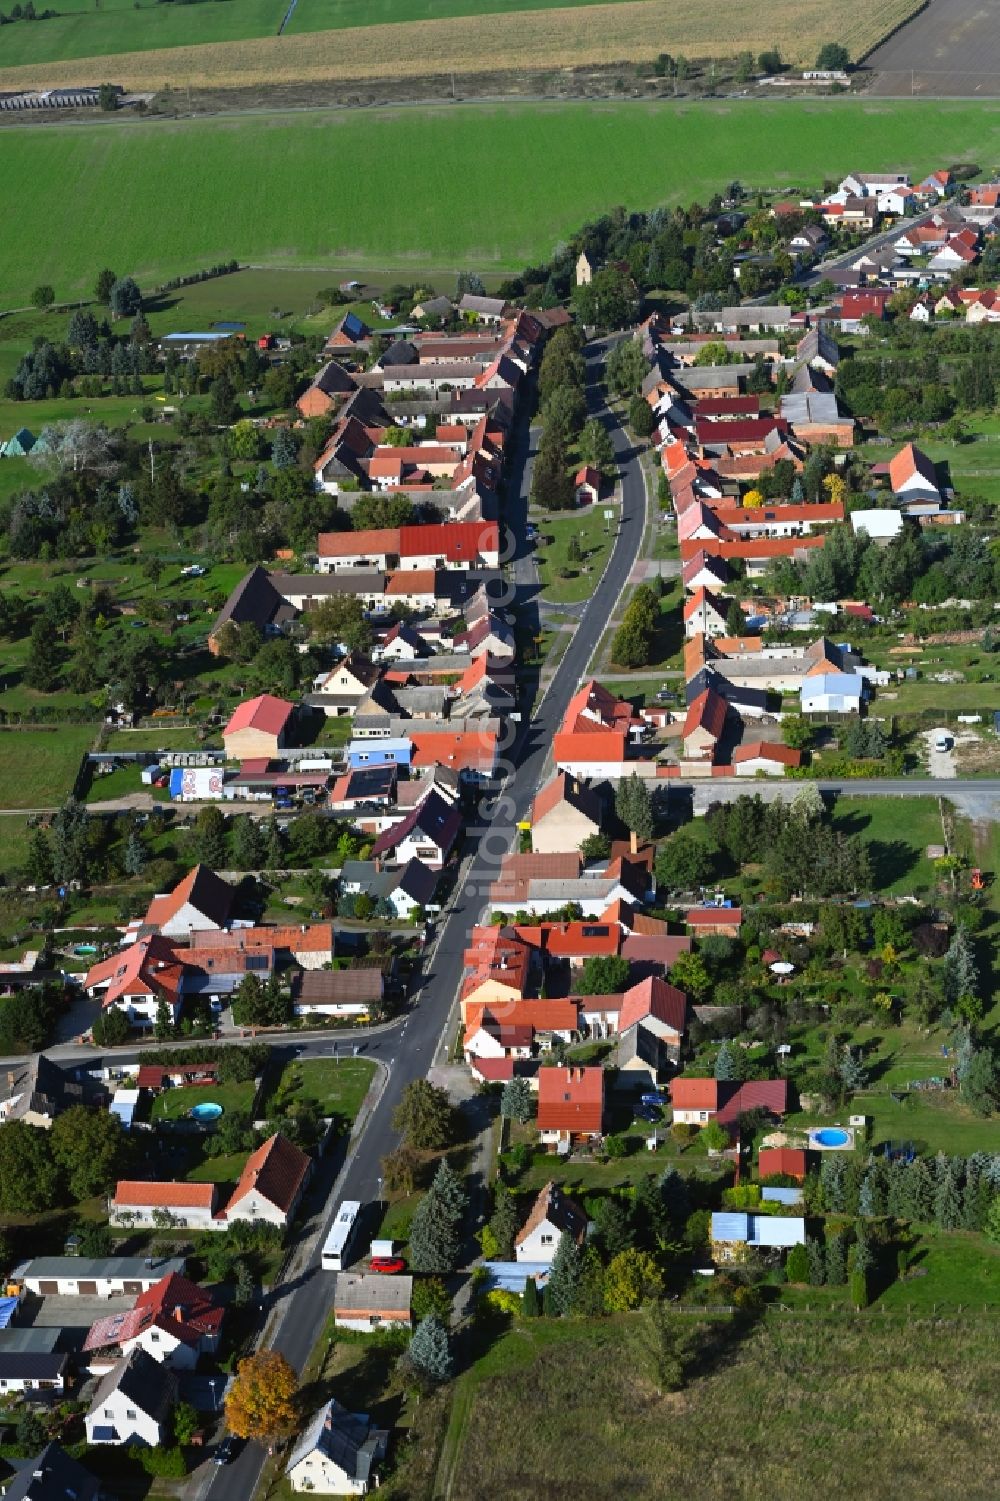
[{"x": 639, "y": 1063}]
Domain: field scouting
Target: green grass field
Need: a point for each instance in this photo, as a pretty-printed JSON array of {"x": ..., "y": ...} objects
[
  {"x": 172, "y": 1104},
  {"x": 800, "y": 1405},
  {"x": 83, "y": 29},
  {"x": 38, "y": 767},
  {"x": 333, "y": 201},
  {"x": 595, "y": 536},
  {"x": 335, "y": 1086},
  {"x": 897, "y": 834}
]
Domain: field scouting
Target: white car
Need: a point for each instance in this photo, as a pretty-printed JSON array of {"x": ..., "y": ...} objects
[{"x": 942, "y": 742}]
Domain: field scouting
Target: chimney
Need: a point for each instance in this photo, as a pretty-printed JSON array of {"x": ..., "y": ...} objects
[
  {"x": 11, "y": 1077},
  {"x": 633, "y": 842},
  {"x": 179, "y": 1313}
]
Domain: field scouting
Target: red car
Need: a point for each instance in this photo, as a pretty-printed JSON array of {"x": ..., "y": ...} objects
[{"x": 388, "y": 1264}]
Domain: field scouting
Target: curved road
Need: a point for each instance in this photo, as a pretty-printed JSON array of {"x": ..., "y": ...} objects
[{"x": 304, "y": 1303}]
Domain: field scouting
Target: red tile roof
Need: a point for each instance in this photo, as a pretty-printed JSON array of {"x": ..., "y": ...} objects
[
  {"x": 654, "y": 997},
  {"x": 790, "y": 1161},
  {"x": 911, "y": 463},
  {"x": 203, "y": 889},
  {"x": 770, "y": 1095},
  {"x": 276, "y": 1170},
  {"x": 687, "y": 1093},
  {"x": 455, "y": 541},
  {"x": 571, "y": 1099},
  {"x": 265, "y": 712},
  {"x": 707, "y": 917},
  {"x": 707, "y": 712},
  {"x": 768, "y": 750},
  {"x": 466, "y": 750},
  {"x": 412, "y": 581},
  {"x": 374, "y": 542},
  {"x": 133, "y": 1193},
  {"x": 493, "y": 1070}
]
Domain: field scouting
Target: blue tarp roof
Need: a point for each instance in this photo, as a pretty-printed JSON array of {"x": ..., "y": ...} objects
[
  {"x": 512, "y": 1275},
  {"x": 782, "y": 1195},
  {"x": 7, "y": 1310}
]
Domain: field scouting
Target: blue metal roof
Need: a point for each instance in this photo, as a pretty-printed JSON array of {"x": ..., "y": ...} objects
[
  {"x": 727, "y": 1226},
  {"x": 782, "y": 1195},
  {"x": 511, "y": 1276},
  {"x": 8, "y": 1307}
]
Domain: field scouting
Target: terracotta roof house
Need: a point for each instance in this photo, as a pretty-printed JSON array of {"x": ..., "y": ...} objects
[
  {"x": 912, "y": 475},
  {"x": 552, "y": 1216},
  {"x": 705, "y": 614},
  {"x": 706, "y": 920},
  {"x": 565, "y": 812},
  {"x": 587, "y": 486},
  {"x": 191, "y": 1205},
  {"x": 659, "y": 1007},
  {"x": 271, "y": 1184},
  {"x": 704, "y": 724},
  {"x": 501, "y": 1029},
  {"x": 329, "y": 388},
  {"x": 570, "y": 1104},
  {"x": 257, "y": 728},
  {"x": 471, "y": 753},
  {"x": 138, "y": 978},
  {"x": 789, "y": 1162},
  {"x": 704, "y": 571},
  {"x": 175, "y": 1322},
  {"x": 697, "y": 1101},
  {"x": 498, "y": 966},
  {"x": 767, "y": 756},
  {"x": 201, "y": 901}
]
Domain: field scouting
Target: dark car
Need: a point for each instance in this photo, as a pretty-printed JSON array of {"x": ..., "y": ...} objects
[{"x": 227, "y": 1450}]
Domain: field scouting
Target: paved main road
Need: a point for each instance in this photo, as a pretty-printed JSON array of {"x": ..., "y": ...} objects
[{"x": 304, "y": 1304}]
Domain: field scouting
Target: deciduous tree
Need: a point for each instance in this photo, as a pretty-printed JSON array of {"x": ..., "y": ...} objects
[{"x": 262, "y": 1402}]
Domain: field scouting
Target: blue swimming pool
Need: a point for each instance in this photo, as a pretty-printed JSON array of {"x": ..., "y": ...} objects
[
  {"x": 831, "y": 1136},
  {"x": 206, "y": 1113}
]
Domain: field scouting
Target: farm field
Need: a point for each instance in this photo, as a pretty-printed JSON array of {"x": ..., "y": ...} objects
[
  {"x": 38, "y": 766},
  {"x": 170, "y": 221},
  {"x": 236, "y": 51},
  {"x": 803, "y": 1397},
  {"x": 947, "y": 50}
]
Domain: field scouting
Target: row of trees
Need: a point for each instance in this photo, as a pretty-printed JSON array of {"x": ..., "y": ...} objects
[{"x": 83, "y": 1153}]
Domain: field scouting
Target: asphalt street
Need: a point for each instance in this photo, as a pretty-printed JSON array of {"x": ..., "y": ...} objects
[{"x": 304, "y": 1303}]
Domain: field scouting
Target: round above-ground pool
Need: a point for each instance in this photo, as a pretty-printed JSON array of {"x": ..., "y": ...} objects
[
  {"x": 206, "y": 1113},
  {"x": 831, "y": 1136}
]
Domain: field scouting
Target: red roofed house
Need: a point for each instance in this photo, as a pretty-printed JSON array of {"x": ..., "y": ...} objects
[
  {"x": 471, "y": 753},
  {"x": 137, "y": 979},
  {"x": 703, "y": 571},
  {"x": 788, "y": 1162},
  {"x": 912, "y": 476},
  {"x": 509, "y": 1030},
  {"x": 498, "y": 965},
  {"x": 175, "y": 1322},
  {"x": 450, "y": 544},
  {"x": 712, "y": 920},
  {"x": 704, "y": 614},
  {"x": 564, "y": 814},
  {"x": 270, "y": 1186},
  {"x": 703, "y": 727},
  {"x": 257, "y": 728},
  {"x": 492, "y": 1070},
  {"x": 587, "y": 486},
  {"x": 857, "y": 305},
  {"x": 190, "y": 1205},
  {"x": 764, "y": 756},
  {"x": 595, "y": 730},
  {"x": 697, "y": 1101},
  {"x": 376, "y": 548},
  {"x": 659, "y": 1008},
  {"x": 202, "y": 901},
  {"x": 570, "y": 1104}
]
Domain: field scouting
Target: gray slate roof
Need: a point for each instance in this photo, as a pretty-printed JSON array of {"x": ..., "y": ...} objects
[
  {"x": 52, "y": 1476},
  {"x": 149, "y": 1386},
  {"x": 347, "y": 1438}
]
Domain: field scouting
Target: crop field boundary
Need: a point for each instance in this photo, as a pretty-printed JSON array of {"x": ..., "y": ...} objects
[{"x": 625, "y": 31}]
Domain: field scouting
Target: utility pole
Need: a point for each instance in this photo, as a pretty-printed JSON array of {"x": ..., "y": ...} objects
[{"x": 152, "y": 464}]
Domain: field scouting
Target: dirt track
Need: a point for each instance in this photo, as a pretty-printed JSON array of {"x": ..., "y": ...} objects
[{"x": 950, "y": 50}]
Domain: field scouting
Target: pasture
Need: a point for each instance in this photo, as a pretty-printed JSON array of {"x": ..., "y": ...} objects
[
  {"x": 561, "y": 37},
  {"x": 568, "y": 1408},
  {"x": 38, "y": 766},
  {"x": 327, "y": 189}
]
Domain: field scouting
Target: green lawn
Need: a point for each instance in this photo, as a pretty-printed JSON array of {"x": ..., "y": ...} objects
[
  {"x": 172, "y": 1104},
  {"x": 83, "y": 29},
  {"x": 588, "y": 527},
  {"x": 334, "y": 1085},
  {"x": 897, "y": 832},
  {"x": 952, "y": 1268},
  {"x": 38, "y": 766},
  {"x": 224, "y": 1169},
  {"x": 169, "y": 220}
]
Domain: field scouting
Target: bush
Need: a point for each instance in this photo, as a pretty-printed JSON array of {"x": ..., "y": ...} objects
[
  {"x": 164, "y": 1462},
  {"x": 860, "y": 1291}
]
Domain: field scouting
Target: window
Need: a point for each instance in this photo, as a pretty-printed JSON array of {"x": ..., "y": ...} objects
[
  {"x": 131, "y": 1414},
  {"x": 547, "y": 1240}
]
